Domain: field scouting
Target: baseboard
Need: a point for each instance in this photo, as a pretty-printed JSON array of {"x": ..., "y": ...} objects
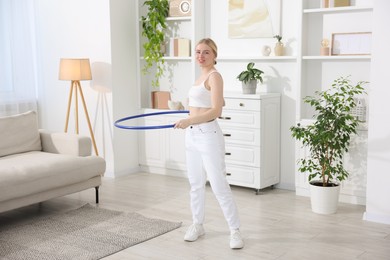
[
  {"x": 164, "y": 171},
  {"x": 285, "y": 186},
  {"x": 126, "y": 172},
  {"x": 378, "y": 218}
]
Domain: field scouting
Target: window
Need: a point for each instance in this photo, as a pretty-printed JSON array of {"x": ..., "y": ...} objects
[{"x": 17, "y": 55}]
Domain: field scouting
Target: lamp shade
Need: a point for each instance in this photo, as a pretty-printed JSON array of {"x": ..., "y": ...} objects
[{"x": 75, "y": 69}]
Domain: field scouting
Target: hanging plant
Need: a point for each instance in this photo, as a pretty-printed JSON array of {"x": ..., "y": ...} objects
[{"x": 153, "y": 25}]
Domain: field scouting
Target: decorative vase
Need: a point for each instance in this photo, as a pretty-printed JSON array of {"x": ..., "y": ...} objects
[
  {"x": 324, "y": 200},
  {"x": 324, "y": 51},
  {"x": 249, "y": 87},
  {"x": 266, "y": 50},
  {"x": 279, "y": 49}
]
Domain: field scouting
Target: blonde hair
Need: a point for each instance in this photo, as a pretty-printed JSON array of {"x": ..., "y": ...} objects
[{"x": 209, "y": 42}]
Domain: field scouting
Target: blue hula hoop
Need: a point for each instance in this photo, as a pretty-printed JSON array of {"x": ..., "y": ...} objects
[{"x": 146, "y": 115}]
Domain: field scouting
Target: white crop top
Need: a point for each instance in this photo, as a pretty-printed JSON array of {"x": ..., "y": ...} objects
[{"x": 199, "y": 95}]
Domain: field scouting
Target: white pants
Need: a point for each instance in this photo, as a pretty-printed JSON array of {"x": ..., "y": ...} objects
[{"x": 205, "y": 151}]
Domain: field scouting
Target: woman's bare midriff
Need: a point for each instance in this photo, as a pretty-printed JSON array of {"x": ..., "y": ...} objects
[{"x": 195, "y": 111}]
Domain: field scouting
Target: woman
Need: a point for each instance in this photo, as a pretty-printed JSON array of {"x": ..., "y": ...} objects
[{"x": 205, "y": 146}]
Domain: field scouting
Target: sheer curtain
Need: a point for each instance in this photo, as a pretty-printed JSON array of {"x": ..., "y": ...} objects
[{"x": 18, "y": 80}]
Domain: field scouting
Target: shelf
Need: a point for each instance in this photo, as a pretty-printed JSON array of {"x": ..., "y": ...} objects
[
  {"x": 338, "y": 57},
  {"x": 174, "y": 58},
  {"x": 338, "y": 9},
  {"x": 177, "y": 58},
  {"x": 175, "y": 19},
  {"x": 182, "y": 18},
  {"x": 259, "y": 58}
]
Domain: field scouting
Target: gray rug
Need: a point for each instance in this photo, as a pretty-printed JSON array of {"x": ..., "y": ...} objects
[{"x": 84, "y": 233}]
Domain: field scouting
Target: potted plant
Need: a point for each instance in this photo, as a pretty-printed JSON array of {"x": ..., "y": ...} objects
[
  {"x": 153, "y": 25},
  {"x": 279, "y": 47},
  {"x": 327, "y": 139},
  {"x": 249, "y": 78}
]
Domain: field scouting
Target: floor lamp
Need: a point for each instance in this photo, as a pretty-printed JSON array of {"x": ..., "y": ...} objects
[{"x": 76, "y": 70}]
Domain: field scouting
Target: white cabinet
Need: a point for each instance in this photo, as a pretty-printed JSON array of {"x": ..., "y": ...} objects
[
  {"x": 162, "y": 150},
  {"x": 251, "y": 127}
]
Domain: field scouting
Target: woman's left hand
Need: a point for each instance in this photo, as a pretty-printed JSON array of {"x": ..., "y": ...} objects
[{"x": 182, "y": 124}]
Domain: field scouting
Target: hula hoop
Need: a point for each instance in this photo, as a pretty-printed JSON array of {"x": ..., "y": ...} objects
[{"x": 146, "y": 115}]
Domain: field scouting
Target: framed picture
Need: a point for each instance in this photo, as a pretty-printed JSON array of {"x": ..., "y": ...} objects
[
  {"x": 358, "y": 43},
  {"x": 253, "y": 18}
]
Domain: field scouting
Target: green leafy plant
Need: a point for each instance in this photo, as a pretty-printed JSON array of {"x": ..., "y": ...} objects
[
  {"x": 153, "y": 25},
  {"x": 278, "y": 37},
  {"x": 251, "y": 73},
  {"x": 328, "y": 137}
]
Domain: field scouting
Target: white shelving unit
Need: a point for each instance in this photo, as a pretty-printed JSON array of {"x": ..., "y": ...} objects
[
  {"x": 163, "y": 151},
  {"x": 317, "y": 24},
  {"x": 190, "y": 27},
  {"x": 294, "y": 76},
  {"x": 317, "y": 73}
]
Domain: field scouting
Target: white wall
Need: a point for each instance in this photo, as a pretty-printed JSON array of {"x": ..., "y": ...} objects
[
  {"x": 378, "y": 163},
  {"x": 103, "y": 31},
  {"x": 125, "y": 91}
]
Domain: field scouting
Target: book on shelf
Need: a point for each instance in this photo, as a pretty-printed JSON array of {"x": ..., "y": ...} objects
[
  {"x": 179, "y": 47},
  {"x": 334, "y": 3}
]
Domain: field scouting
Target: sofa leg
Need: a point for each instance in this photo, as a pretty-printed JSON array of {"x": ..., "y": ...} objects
[{"x": 97, "y": 194}]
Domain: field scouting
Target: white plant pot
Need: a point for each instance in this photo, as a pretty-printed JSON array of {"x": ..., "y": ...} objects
[
  {"x": 324, "y": 200},
  {"x": 249, "y": 87}
]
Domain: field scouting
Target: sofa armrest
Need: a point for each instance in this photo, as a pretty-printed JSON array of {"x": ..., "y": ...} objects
[{"x": 65, "y": 143}]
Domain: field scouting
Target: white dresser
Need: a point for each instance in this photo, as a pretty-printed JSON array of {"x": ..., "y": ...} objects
[{"x": 251, "y": 126}]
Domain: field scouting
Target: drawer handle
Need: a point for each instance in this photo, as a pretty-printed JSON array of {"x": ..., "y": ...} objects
[
  {"x": 225, "y": 117},
  {"x": 228, "y": 135},
  {"x": 242, "y": 105},
  {"x": 228, "y": 174},
  {"x": 228, "y": 153}
]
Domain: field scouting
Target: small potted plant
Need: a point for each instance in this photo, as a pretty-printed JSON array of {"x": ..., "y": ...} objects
[
  {"x": 250, "y": 78},
  {"x": 327, "y": 139},
  {"x": 279, "y": 46}
]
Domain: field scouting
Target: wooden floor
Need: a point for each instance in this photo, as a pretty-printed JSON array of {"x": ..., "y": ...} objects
[{"x": 276, "y": 224}]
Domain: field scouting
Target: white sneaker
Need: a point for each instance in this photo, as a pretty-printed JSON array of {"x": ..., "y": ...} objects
[
  {"x": 236, "y": 241},
  {"x": 194, "y": 232}
]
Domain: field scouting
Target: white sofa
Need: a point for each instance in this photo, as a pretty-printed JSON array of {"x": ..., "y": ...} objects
[{"x": 37, "y": 165}]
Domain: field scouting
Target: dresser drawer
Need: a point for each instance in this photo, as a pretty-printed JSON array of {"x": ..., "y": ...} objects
[
  {"x": 240, "y": 119},
  {"x": 242, "y": 104},
  {"x": 243, "y": 176},
  {"x": 246, "y": 136},
  {"x": 243, "y": 155}
]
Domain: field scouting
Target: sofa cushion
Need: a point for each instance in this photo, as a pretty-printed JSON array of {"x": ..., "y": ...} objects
[
  {"x": 19, "y": 134},
  {"x": 32, "y": 172}
]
